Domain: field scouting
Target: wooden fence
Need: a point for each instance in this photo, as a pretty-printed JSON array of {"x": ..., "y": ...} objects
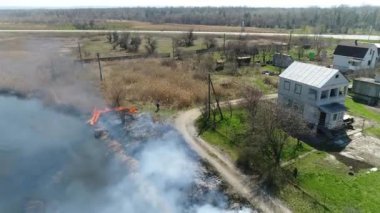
[{"x": 124, "y": 57}]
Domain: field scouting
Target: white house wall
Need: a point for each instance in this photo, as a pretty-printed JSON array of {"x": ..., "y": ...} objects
[{"x": 341, "y": 62}]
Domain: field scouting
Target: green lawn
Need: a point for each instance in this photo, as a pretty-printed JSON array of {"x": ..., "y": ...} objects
[
  {"x": 327, "y": 180},
  {"x": 223, "y": 136},
  {"x": 373, "y": 131},
  {"x": 229, "y": 132},
  {"x": 361, "y": 110}
]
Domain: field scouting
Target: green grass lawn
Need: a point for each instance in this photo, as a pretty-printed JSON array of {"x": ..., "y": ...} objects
[
  {"x": 373, "y": 131},
  {"x": 358, "y": 109},
  {"x": 223, "y": 136},
  {"x": 327, "y": 180},
  {"x": 228, "y": 134}
]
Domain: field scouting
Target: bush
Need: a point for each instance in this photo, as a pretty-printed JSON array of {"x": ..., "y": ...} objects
[{"x": 270, "y": 81}]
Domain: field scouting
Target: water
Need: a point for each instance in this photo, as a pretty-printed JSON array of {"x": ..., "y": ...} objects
[{"x": 51, "y": 161}]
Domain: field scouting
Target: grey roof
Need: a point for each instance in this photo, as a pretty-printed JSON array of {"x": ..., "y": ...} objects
[
  {"x": 368, "y": 80},
  {"x": 309, "y": 74},
  {"x": 333, "y": 108}
]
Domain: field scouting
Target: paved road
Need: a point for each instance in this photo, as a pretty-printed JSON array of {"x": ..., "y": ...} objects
[
  {"x": 336, "y": 36},
  {"x": 184, "y": 122}
]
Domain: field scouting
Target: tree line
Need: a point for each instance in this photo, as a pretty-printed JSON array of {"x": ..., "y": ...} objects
[{"x": 342, "y": 19}]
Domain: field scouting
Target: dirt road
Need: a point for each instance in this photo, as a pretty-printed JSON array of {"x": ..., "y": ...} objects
[{"x": 184, "y": 122}]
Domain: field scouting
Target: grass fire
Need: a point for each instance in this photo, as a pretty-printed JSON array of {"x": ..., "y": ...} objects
[{"x": 58, "y": 156}]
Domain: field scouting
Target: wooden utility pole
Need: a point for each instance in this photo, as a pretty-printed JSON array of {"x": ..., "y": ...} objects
[
  {"x": 100, "y": 67},
  {"x": 216, "y": 99},
  {"x": 211, "y": 86},
  {"x": 209, "y": 97},
  {"x": 80, "y": 51},
  {"x": 173, "y": 47},
  {"x": 370, "y": 32},
  {"x": 290, "y": 40},
  {"x": 224, "y": 44}
]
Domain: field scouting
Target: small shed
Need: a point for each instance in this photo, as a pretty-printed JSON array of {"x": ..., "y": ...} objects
[
  {"x": 367, "y": 90},
  {"x": 282, "y": 60},
  {"x": 243, "y": 60},
  {"x": 219, "y": 64}
]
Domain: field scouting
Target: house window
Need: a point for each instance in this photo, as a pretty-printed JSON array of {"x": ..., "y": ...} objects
[
  {"x": 333, "y": 92},
  {"x": 353, "y": 63},
  {"x": 298, "y": 89},
  {"x": 312, "y": 94},
  {"x": 335, "y": 116},
  {"x": 287, "y": 85},
  {"x": 369, "y": 62},
  {"x": 324, "y": 94}
]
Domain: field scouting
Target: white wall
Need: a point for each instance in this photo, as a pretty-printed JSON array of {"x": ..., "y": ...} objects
[{"x": 341, "y": 62}]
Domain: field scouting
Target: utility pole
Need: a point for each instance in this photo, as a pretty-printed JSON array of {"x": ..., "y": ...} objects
[
  {"x": 216, "y": 99},
  {"x": 80, "y": 52},
  {"x": 100, "y": 67},
  {"x": 370, "y": 32},
  {"x": 173, "y": 49},
  {"x": 209, "y": 96},
  {"x": 290, "y": 40},
  {"x": 224, "y": 44}
]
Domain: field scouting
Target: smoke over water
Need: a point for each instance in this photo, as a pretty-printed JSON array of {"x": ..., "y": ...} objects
[{"x": 51, "y": 162}]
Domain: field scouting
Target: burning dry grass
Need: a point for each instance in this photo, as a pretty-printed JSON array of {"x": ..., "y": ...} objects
[{"x": 173, "y": 84}]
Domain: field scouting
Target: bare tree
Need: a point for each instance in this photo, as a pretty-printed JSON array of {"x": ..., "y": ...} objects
[
  {"x": 124, "y": 41},
  {"x": 115, "y": 93},
  {"x": 109, "y": 37},
  {"x": 189, "y": 38},
  {"x": 210, "y": 42},
  {"x": 271, "y": 127},
  {"x": 134, "y": 44},
  {"x": 115, "y": 37},
  {"x": 252, "y": 98},
  {"x": 151, "y": 45}
]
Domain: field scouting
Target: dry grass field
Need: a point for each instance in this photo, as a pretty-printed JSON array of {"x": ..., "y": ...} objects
[{"x": 145, "y": 81}]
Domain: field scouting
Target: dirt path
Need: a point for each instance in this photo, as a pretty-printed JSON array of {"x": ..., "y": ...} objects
[{"x": 184, "y": 123}]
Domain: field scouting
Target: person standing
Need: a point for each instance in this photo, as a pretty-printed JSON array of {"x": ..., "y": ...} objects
[{"x": 157, "y": 106}]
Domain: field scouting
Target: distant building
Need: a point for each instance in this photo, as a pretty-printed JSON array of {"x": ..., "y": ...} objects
[
  {"x": 352, "y": 56},
  {"x": 243, "y": 60},
  {"x": 367, "y": 90},
  {"x": 318, "y": 93},
  {"x": 282, "y": 60}
]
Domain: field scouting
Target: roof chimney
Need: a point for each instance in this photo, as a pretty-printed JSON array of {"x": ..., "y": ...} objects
[{"x": 356, "y": 42}]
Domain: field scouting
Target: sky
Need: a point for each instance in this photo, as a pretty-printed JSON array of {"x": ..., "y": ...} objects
[{"x": 162, "y": 3}]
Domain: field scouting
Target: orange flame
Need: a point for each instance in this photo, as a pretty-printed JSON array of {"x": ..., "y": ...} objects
[{"x": 97, "y": 113}]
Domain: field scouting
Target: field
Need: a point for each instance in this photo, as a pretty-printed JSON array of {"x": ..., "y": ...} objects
[
  {"x": 99, "y": 44},
  {"x": 148, "y": 81},
  {"x": 327, "y": 180}
]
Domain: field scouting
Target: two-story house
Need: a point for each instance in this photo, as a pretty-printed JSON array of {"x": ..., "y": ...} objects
[
  {"x": 352, "y": 56},
  {"x": 317, "y": 92}
]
